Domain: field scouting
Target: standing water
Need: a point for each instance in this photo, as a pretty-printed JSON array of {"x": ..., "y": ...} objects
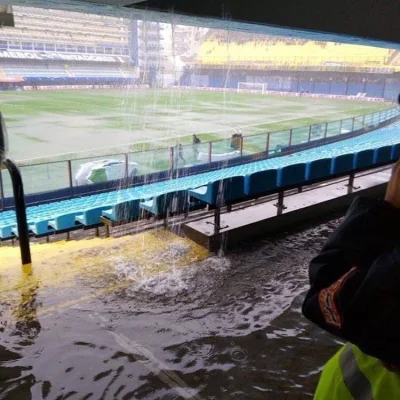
[{"x": 221, "y": 327}]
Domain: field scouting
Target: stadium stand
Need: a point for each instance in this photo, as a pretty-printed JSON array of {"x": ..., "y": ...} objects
[
  {"x": 221, "y": 47},
  {"x": 54, "y": 44},
  {"x": 365, "y": 151}
]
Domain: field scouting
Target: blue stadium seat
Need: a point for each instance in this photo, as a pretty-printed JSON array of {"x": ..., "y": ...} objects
[
  {"x": 157, "y": 205},
  {"x": 395, "y": 155},
  {"x": 91, "y": 216},
  {"x": 318, "y": 169},
  {"x": 363, "y": 159},
  {"x": 40, "y": 228},
  {"x": 382, "y": 154},
  {"x": 124, "y": 211},
  {"x": 6, "y": 231},
  {"x": 341, "y": 164},
  {"x": 229, "y": 189},
  {"x": 292, "y": 175},
  {"x": 63, "y": 222},
  {"x": 260, "y": 182},
  {"x": 207, "y": 194}
]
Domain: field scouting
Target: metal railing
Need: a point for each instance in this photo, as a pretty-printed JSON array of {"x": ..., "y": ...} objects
[{"x": 45, "y": 176}]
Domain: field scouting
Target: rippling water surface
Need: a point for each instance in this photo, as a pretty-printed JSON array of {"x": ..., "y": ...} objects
[{"x": 228, "y": 327}]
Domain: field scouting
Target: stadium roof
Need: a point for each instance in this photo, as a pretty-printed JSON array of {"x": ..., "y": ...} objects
[{"x": 368, "y": 22}]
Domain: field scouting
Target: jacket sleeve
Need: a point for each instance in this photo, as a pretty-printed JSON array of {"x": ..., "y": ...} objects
[{"x": 344, "y": 275}]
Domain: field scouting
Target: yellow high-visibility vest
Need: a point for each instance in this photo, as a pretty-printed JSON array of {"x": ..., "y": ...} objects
[{"x": 351, "y": 374}]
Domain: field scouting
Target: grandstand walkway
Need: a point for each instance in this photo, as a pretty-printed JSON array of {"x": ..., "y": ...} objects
[{"x": 76, "y": 208}]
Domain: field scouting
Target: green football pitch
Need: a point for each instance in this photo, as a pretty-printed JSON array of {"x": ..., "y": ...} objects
[
  {"x": 47, "y": 128},
  {"x": 99, "y": 122}
]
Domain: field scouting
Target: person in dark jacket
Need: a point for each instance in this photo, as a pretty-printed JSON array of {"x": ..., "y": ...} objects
[{"x": 355, "y": 295}]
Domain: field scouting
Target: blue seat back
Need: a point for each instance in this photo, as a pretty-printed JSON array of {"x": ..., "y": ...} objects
[
  {"x": 230, "y": 189},
  {"x": 126, "y": 210},
  {"x": 318, "y": 169},
  {"x": 342, "y": 163},
  {"x": 260, "y": 182},
  {"x": 178, "y": 202},
  {"x": 291, "y": 175},
  {"x": 382, "y": 154},
  {"x": 363, "y": 159},
  {"x": 395, "y": 155},
  {"x": 65, "y": 221},
  {"x": 92, "y": 216}
]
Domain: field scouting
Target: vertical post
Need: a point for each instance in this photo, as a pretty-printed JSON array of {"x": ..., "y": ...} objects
[
  {"x": 209, "y": 152},
  {"x": 69, "y": 165},
  {"x": 326, "y": 130},
  {"x": 1, "y": 191},
  {"x": 340, "y": 127},
  {"x": 19, "y": 200},
  {"x": 309, "y": 134},
  {"x": 217, "y": 220},
  {"x": 171, "y": 161},
  {"x": 126, "y": 166},
  {"x": 290, "y": 137},
  {"x": 280, "y": 204},
  {"x": 363, "y": 121},
  {"x": 350, "y": 185},
  {"x": 267, "y": 143},
  {"x": 352, "y": 124},
  {"x": 241, "y": 146}
]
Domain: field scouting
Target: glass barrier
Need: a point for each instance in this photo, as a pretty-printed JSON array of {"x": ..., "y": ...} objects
[
  {"x": 153, "y": 161},
  {"x": 7, "y": 186},
  {"x": 254, "y": 144},
  {"x": 358, "y": 123},
  {"x": 226, "y": 149},
  {"x": 195, "y": 154},
  {"x": 368, "y": 121},
  {"x": 300, "y": 135},
  {"x": 86, "y": 171},
  {"x": 45, "y": 177},
  {"x": 52, "y": 176},
  {"x": 317, "y": 131},
  {"x": 333, "y": 129},
  {"x": 277, "y": 140},
  {"x": 347, "y": 126}
]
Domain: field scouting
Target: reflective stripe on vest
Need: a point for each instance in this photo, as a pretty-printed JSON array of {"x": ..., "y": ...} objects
[{"x": 356, "y": 382}]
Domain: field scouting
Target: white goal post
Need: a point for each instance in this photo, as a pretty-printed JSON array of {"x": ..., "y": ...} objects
[{"x": 250, "y": 87}]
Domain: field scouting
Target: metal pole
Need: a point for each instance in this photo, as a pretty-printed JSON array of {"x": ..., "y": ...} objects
[
  {"x": 290, "y": 137},
  {"x": 326, "y": 130},
  {"x": 209, "y": 152},
  {"x": 1, "y": 191},
  {"x": 267, "y": 143},
  {"x": 126, "y": 166},
  {"x": 309, "y": 134},
  {"x": 352, "y": 124},
  {"x": 70, "y": 176},
  {"x": 171, "y": 160},
  {"x": 19, "y": 200},
  {"x": 241, "y": 146}
]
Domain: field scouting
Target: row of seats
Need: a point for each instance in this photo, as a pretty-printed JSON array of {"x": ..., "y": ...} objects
[{"x": 364, "y": 151}]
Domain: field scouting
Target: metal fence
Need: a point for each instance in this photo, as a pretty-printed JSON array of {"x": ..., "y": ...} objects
[{"x": 46, "y": 177}]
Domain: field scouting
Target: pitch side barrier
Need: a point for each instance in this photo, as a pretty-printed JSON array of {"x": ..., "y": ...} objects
[{"x": 172, "y": 173}]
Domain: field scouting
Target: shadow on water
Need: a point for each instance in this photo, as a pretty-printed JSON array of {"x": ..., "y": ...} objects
[{"x": 227, "y": 327}]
